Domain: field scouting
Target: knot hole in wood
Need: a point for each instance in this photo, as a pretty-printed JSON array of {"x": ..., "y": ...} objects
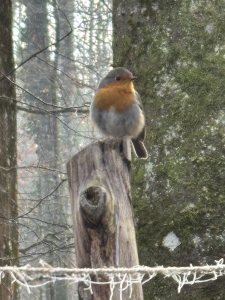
[{"x": 92, "y": 204}]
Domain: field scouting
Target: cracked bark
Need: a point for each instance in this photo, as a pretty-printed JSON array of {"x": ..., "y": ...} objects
[{"x": 99, "y": 182}]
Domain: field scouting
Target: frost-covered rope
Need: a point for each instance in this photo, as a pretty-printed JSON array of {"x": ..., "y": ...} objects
[
  {"x": 47, "y": 269},
  {"x": 124, "y": 277}
]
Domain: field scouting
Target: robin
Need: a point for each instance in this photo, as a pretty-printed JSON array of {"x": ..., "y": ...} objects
[{"x": 116, "y": 109}]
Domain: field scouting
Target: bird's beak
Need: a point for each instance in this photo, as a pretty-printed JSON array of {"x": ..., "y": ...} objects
[{"x": 132, "y": 78}]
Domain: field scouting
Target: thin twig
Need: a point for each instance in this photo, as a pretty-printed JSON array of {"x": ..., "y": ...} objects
[
  {"x": 42, "y": 111},
  {"x": 42, "y": 50},
  {"x": 33, "y": 167},
  {"x": 42, "y": 199},
  {"x": 72, "y": 79}
]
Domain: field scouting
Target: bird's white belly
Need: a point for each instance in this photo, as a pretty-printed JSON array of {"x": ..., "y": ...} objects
[{"x": 112, "y": 123}]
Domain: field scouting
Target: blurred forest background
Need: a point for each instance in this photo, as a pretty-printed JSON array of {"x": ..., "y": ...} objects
[{"x": 61, "y": 50}]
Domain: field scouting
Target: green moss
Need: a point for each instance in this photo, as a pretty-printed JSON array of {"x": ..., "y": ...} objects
[
  {"x": 126, "y": 47},
  {"x": 177, "y": 52}
]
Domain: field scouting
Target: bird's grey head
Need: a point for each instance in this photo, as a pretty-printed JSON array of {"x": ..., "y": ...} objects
[{"x": 111, "y": 76}]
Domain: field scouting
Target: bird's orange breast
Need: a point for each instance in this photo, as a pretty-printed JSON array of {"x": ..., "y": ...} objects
[{"x": 114, "y": 97}]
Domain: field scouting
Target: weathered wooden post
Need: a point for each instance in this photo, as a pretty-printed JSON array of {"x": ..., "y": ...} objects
[{"x": 99, "y": 183}]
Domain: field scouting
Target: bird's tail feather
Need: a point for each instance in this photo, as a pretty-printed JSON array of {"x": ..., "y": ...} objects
[{"x": 139, "y": 149}]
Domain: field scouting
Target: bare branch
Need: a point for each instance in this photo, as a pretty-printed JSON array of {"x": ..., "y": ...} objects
[
  {"x": 72, "y": 79},
  {"x": 45, "y": 240},
  {"x": 51, "y": 114},
  {"x": 36, "y": 97},
  {"x": 65, "y": 226},
  {"x": 42, "y": 111},
  {"x": 61, "y": 111},
  {"x": 42, "y": 50},
  {"x": 42, "y": 199},
  {"x": 90, "y": 67},
  {"x": 33, "y": 167}
]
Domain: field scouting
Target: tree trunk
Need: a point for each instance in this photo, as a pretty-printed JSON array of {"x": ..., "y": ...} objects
[
  {"x": 176, "y": 49},
  {"x": 99, "y": 182},
  {"x": 41, "y": 80},
  {"x": 8, "y": 179}
]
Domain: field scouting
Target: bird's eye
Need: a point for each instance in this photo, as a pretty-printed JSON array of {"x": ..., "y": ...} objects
[{"x": 118, "y": 78}]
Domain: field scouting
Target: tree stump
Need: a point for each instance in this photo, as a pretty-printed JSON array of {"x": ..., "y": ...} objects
[{"x": 100, "y": 193}]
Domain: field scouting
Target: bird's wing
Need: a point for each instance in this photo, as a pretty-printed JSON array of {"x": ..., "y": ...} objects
[
  {"x": 141, "y": 135},
  {"x": 138, "y": 100}
]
